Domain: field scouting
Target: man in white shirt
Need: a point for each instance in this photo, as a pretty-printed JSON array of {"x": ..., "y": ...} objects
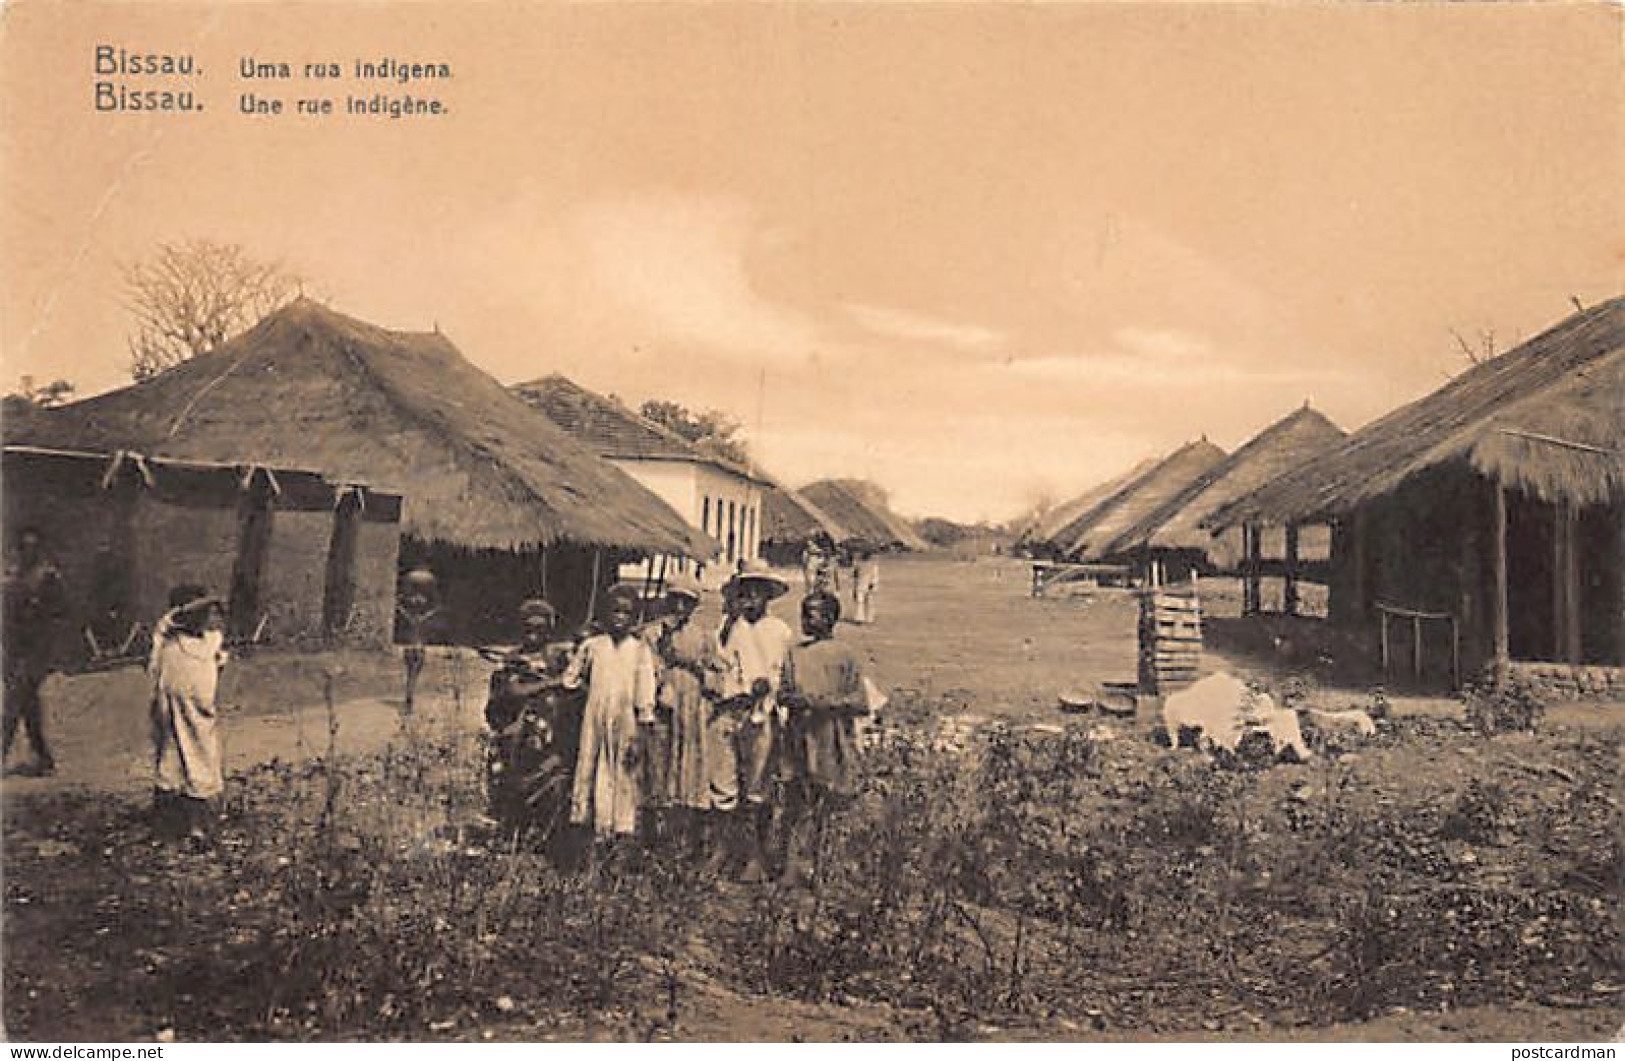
[{"x": 754, "y": 647}]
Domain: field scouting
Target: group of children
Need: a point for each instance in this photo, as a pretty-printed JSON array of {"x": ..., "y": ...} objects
[{"x": 733, "y": 739}]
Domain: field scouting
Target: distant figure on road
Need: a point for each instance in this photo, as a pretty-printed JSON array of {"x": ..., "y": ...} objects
[
  {"x": 34, "y": 606},
  {"x": 865, "y": 582},
  {"x": 812, "y": 563}
]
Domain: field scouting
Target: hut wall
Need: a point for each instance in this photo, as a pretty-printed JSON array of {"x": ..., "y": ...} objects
[
  {"x": 480, "y": 589},
  {"x": 378, "y": 545},
  {"x": 95, "y": 548},
  {"x": 1420, "y": 551},
  {"x": 294, "y": 579},
  {"x": 182, "y": 537},
  {"x": 1429, "y": 548},
  {"x": 122, "y": 548}
]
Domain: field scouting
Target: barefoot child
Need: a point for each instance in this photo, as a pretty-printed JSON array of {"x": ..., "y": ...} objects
[
  {"x": 534, "y": 726},
  {"x": 825, "y": 691},
  {"x": 753, "y": 645},
  {"x": 690, "y": 675},
  {"x": 618, "y": 669},
  {"x": 415, "y": 613},
  {"x": 187, "y": 653}
]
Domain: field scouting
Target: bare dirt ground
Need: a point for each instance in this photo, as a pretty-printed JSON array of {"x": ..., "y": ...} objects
[{"x": 961, "y": 638}]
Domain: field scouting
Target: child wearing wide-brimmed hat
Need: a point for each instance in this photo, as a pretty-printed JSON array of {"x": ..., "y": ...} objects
[
  {"x": 188, "y": 650},
  {"x": 690, "y": 680},
  {"x": 754, "y": 645}
]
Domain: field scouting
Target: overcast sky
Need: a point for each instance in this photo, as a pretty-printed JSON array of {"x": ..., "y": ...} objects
[{"x": 977, "y": 254}]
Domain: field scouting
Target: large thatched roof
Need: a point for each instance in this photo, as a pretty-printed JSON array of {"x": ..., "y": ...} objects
[
  {"x": 1288, "y": 443},
  {"x": 1088, "y": 535},
  {"x": 1060, "y": 517},
  {"x": 311, "y": 388},
  {"x": 862, "y": 509},
  {"x": 612, "y": 430},
  {"x": 1545, "y": 418},
  {"x": 789, "y": 518}
]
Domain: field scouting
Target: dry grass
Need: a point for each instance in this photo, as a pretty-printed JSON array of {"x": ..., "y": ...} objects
[{"x": 1053, "y": 883}]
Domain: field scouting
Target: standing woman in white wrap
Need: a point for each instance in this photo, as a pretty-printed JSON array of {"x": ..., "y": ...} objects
[{"x": 187, "y": 653}]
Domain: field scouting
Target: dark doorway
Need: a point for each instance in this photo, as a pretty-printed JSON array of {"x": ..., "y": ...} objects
[
  {"x": 1600, "y": 540},
  {"x": 1531, "y": 579}
]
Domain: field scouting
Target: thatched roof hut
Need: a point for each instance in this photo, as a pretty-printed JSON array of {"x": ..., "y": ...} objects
[
  {"x": 863, "y": 510},
  {"x": 1175, "y": 525},
  {"x": 1489, "y": 512},
  {"x": 1044, "y": 530},
  {"x": 1087, "y": 536},
  {"x": 611, "y": 429},
  {"x": 789, "y": 518},
  {"x": 1543, "y": 419},
  {"x": 401, "y": 411}
]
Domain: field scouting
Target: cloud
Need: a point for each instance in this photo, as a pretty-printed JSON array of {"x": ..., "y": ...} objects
[
  {"x": 1163, "y": 358},
  {"x": 915, "y": 327},
  {"x": 1163, "y": 344},
  {"x": 678, "y": 266}
]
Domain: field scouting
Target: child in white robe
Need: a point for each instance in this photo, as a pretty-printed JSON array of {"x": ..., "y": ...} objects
[
  {"x": 187, "y": 654},
  {"x": 618, "y": 668}
]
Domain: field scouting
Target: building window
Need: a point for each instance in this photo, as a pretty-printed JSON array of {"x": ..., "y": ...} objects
[
  {"x": 705, "y": 515},
  {"x": 733, "y": 552}
]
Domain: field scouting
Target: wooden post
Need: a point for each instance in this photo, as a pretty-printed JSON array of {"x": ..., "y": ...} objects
[
  {"x": 1455, "y": 654},
  {"x": 1360, "y": 531},
  {"x": 1289, "y": 589},
  {"x": 1382, "y": 625},
  {"x": 1252, "y": 595},
  {"x": 1498, "y": 599},
  {"x": 1416, "y": 647},
  {"x": 1568, "y": 582},
  {"x": 1619, "y": 590},
  {"x": 592, "y": 590}
]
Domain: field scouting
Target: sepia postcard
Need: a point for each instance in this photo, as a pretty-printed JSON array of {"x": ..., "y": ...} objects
[{"x": 813, "y": 522}]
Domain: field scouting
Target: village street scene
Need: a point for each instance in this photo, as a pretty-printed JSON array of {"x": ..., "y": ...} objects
[{"x": 812, "y": 554}]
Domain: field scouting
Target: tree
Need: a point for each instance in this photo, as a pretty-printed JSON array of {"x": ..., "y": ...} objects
[
  {"x": 713, "y": 432},
  {"x": 1040, "y": 504},
  {"x": 190, "y": 297},
  {"x": 49, "y": 396}
]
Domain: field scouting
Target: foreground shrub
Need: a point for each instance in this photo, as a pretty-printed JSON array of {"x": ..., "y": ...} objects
[
  {"x": 1513, "y": 705},
  {"x": 1028, "y": 877}
]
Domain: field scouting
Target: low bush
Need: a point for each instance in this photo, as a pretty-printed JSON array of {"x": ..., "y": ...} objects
[{"x": 1030, "y": 877}]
